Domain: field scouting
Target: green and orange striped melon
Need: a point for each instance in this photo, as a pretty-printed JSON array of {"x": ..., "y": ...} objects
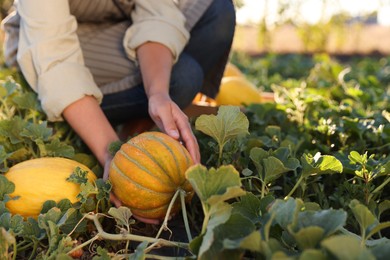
[{"x": 147, "y": 171}]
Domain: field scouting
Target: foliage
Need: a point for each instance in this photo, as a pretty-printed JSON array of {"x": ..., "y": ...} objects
[{"x": 305, "y": 177}]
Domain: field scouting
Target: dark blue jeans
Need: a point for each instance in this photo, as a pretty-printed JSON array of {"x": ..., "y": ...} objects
[{"x": 198, "y": 69}]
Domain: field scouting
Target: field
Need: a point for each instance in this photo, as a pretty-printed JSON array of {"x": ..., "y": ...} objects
[
  {"x": 304, "y": 177},
  {"x": 354, "y": 39}
]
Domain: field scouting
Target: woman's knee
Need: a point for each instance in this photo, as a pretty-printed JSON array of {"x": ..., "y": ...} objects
[{"x": 221, "y": 16}]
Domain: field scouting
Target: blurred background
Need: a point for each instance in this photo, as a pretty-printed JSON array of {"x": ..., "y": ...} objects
[{"x": 306, "y": 26}]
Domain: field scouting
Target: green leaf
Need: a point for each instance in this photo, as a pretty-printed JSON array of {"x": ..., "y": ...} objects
[
  {"x": 378, "y": 228},
  {"x": 286, "y": 211},
  {"x": 12, "y": 128},
  {"x": 320, "y": 164},
  {"x": 355, "y": 157},
  {"x": 252, "y": 242},
  {"x": 383, "y": 206},
  {"x": 381, "y": 251},
  {"x": 219, "y": 214},
  {"x": 56, "y": 148},
  {"x": 13, "y": 224},
  {"x": 346, "y": 248},
  {"x": 78, "y": 176},
  {"x": 27, "y": 100},
  {"x": 309, "y": 237},
  {"x": 71, "y": 221},
  {"x": 226, "y": 125},
  {"x": 310, "y": 254},
  {"x": 6, "y": 187},
  {"x": 122, "y": 216},
  {"x": 102, "y": 254},
  {"x": 364, "y": 217},
  {"x": 37, "y": 132},
  {"x": 330, "y": 220},
  {"x": 272, "y": 164},
  {"x": 47, "y": 205},
  {"x": 3, "y": 157},
  {"x": 236, "y": 227},
  {"x": 32, "y": 230},
  {"x": 215, "y": 185},
  {"x": 52, "y": 216},
  {"x": 248, "y": 206},
  {"x": 104, "y": 189}
]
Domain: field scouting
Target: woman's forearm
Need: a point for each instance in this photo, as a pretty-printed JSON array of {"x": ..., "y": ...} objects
[
  {"x": 156, "y": 62},
  {"x": 89, "y": 122}
]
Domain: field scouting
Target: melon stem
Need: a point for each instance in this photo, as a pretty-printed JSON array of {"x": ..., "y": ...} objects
[
  {"x": 184, "y": 213},
  {"x": 168, "y": 214},
  {"x": 117, "y": 237}
]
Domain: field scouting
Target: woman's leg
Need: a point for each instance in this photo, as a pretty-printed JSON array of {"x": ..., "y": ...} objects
[
  {"x": 210, "y": 42},
  {"x": 186, "y": 82}
]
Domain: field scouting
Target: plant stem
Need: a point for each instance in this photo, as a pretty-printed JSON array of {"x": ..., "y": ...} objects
[
  {"x": 377, "y": 189},
  {"x": 220, "y": 154},
  {"x": 263, "y": 189},
  {"x": 167, "y": 215},
  {"x": 184, "y": 212},
  {"x": 117, "y": 237},
  {"x": 206, "y": 218},
  {"x": 295, "y": 187}
]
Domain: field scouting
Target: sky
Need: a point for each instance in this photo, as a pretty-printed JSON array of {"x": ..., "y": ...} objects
[{"x": 311, "y": 10}]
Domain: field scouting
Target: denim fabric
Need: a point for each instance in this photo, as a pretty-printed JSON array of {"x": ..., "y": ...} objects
[{"x": 199, "y": 67}]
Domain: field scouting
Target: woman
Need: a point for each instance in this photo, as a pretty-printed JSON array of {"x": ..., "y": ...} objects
[{"x": 97, "y": 64}]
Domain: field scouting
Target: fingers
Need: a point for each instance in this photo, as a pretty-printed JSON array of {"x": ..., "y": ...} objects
[
  {"x": 189, "y": 139},
  {"x": 172, "y": 120}
]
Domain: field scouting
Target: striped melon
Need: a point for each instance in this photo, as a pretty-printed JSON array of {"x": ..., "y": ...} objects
[{"x": 147, "y": 171}]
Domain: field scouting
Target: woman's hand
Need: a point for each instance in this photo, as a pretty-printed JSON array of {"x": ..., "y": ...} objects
[
  {"x": 156, "y": 63},
  {"x": 172, "y": 120}
]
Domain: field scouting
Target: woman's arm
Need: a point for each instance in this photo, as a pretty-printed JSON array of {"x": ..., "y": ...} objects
[
  {"x": 89, "y": 122},
  {"x": 156, "y": 63}
]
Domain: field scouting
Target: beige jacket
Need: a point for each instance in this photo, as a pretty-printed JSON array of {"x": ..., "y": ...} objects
[{"x": 47, "y": 49}]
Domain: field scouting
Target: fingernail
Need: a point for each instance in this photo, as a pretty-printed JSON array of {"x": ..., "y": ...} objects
[{"x": 174, "y": 133}]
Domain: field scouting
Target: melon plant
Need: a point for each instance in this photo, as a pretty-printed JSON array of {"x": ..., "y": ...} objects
[
  {"x": 147, "y": 171},
  {"x": 42, "y": 179}
]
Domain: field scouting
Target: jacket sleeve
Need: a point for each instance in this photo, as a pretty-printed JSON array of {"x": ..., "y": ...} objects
[
  {"x": 50, "y": 57},
  {"x": 156, "y": 21}
]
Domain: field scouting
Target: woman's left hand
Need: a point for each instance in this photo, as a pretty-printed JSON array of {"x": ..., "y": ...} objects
[{"x": 174, "y": 122}]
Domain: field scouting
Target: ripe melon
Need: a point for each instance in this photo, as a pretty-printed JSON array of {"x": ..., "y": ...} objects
[
  {"x": 237, "y": 91},
  {"x": 232, "y": 70},
  {"x": 147, "y": 171},
  {"x": 42, "y": 179}
]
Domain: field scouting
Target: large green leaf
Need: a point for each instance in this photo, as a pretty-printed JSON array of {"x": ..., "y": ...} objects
[
  {"x": 215, "y": 185},
  {"x": 227, "y": 124},
  {"x": 344, "y": 247},
  {"x": 310, "y": 254},
  {"x": 213, "y": 246},
  {"x": 248, "y": 206},
  {"x": 320, "y": 164},
  {"x": 309, "y": 237},
  {"x": 364, "y": 217},
  {"x": 286, "y": 211},
  {"x": 272, "y": 164},
  {"x": 330, "y": 220}
]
